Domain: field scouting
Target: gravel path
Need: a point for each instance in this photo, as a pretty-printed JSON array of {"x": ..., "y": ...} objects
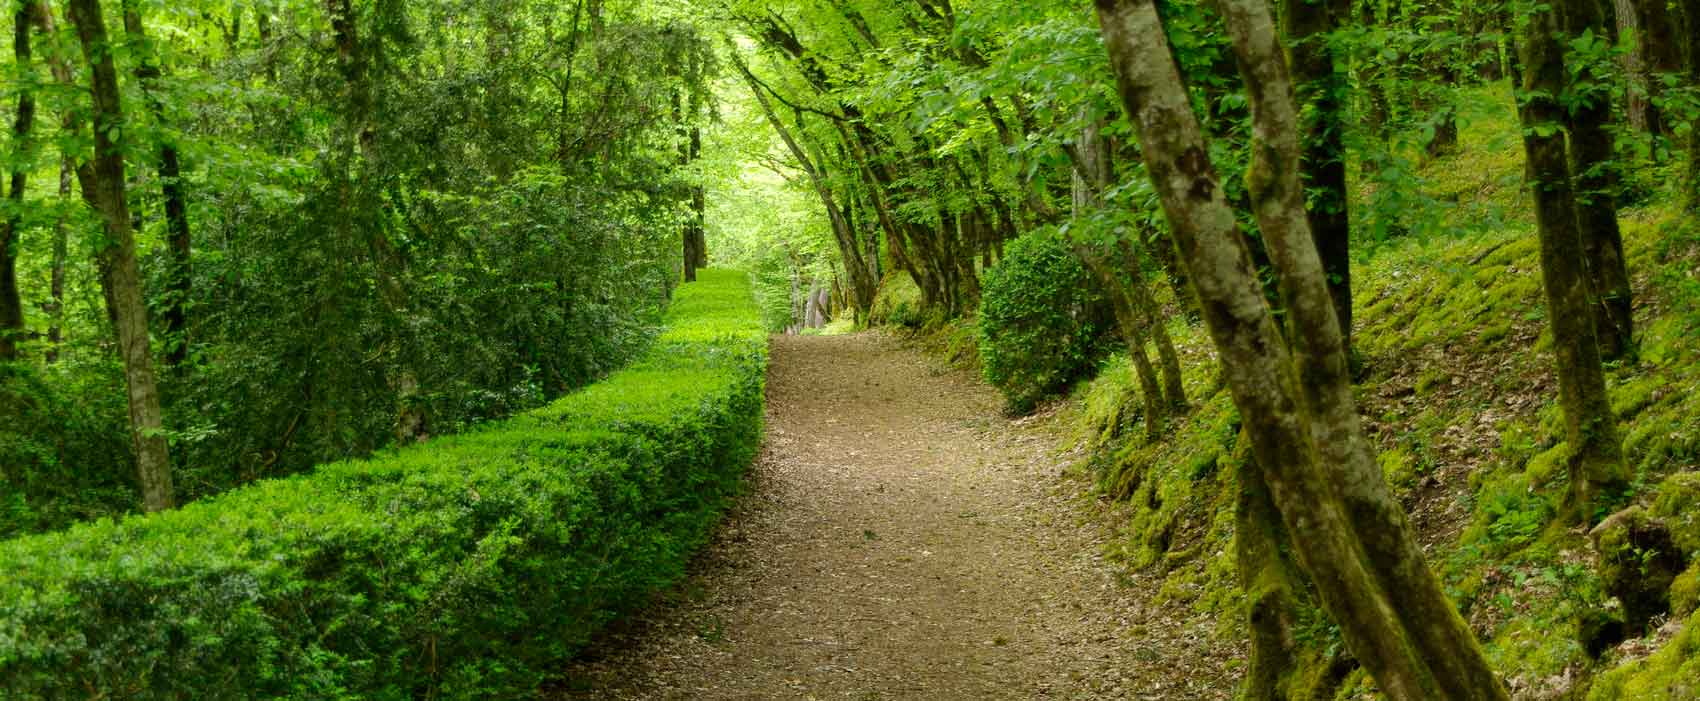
[{"x": 902, "y": 540}]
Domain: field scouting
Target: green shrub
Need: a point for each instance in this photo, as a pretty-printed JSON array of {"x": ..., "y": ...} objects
[
  {"x": 1040, "y": 316},
  {"x": 464, "y": 568},
  {"x": 64, "y": 456}
]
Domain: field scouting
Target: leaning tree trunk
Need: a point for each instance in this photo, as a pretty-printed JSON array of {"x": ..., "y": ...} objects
[
  {"x": 103, "y": 189},
  {"x": 1593, "y": 165},
  {"x": 1122, "y": 272},
  {"x": 11, "y": 298},
  {"x": 1133, "y": 334},
  {"x": 1351, "y": 535},
  {"x": 1596, "y": 454},
  {"x": 1174, "y": 386}
]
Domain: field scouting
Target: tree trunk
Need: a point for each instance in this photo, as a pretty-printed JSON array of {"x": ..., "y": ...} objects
[
  {"x": 1319, "y": 81},
  {"x": 1661, "y": 53},
  {"x": 1593, "y": 164},
  {"x": 1266, "y": 574},
  {"x": 1596, "y": 455},
  {"x": 1351, "y": 535},
  {"x": 1691, "y": 29},
  {"x": 103, "y": 189},
  {"x": 1122, "y": 270},
  {"x": 180, "y": 276},
  {"x": 1174, "y": 388},
  {"x": 1133, "y": 334},
  {"x": 1634, "y": 66},
  {"x": 699, "y": 209},
  {"x": 56, "y": 280},
  {"x": 11, "y": 298}
]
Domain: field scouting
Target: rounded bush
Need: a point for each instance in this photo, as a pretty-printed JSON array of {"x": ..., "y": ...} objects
[{"x": 1041, "y": 315}]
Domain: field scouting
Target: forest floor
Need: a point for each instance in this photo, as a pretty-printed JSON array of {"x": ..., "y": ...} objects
[{"x": 901, "y": 539}]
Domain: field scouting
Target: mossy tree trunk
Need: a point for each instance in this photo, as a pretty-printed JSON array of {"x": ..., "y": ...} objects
[
  {"x": 103, "y": 189},
  {"x": 863, "y": 284},
  {"x": 1596, "y": 455},
  {"x": 1319, "y": 79},
  {"x": 1593, "y": 164},
  {"x": 1350, "y": 534},
  {"x": 1266, "y": 575}
]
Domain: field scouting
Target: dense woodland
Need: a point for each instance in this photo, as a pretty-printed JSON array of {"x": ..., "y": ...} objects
[{"x": 1281, "y": 259}]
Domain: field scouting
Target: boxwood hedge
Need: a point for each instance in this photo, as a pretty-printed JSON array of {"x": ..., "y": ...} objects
[{"x": 467, "y": 567}]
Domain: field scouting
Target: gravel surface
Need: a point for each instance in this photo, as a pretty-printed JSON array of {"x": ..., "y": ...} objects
[{"x": 902, "y": 540}]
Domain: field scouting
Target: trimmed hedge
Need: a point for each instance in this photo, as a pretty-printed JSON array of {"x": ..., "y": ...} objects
[{"x": 468, "y": 567}]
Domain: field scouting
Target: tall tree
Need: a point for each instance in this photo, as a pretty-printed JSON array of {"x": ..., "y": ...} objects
[
  {"x": 1594, "y": 169},
  {"x": 103, "y": 188},
  {"x": 61, "y": 258},
  {"x": 1596, "y": 454},
  {"x": 11, "y": 299},
  {"x": 179, "y": 276},
  {"x": 1661, "y": 48},
  {"x": 862, "y": 281},
  {"x": 1296, "y": 402}
]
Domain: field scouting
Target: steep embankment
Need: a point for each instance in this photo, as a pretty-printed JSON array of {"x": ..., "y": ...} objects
[
  {"x": 1458, "y": 392},
  {"x": 903, "y": 541}
]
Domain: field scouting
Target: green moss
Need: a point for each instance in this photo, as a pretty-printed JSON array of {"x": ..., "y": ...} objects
[
  {"x": 1545, "y": 468},
  {"x": 1430, "y": 379},
  {"x": 1495, "y": 332},
  {"x": 1629, "y": 398},
  {"x": 1400, "y": 467},
  {"x": 1530, "y": 646},
  {"x": 1685, "y": 591},
  {"x": 1677, "y": 504},
  {"x": 1673, "y": 672}
]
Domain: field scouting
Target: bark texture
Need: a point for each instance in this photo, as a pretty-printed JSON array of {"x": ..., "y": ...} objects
[
  {"x": 1596, "y": 454},
  {"x": 1350, "y": 533},
  {"x": 103, "y": 189}
]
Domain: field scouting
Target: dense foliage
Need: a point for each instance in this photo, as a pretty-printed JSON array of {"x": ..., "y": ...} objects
[
  {"x": 391, "y": 221},
  {"x": 458, "y": 569}
]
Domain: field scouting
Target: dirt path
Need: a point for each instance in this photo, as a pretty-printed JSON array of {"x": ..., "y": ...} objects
[{"x": 903, "y": 541}]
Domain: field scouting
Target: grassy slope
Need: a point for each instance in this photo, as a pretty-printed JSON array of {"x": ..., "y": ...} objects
[{"x": 1460, "y": 397}]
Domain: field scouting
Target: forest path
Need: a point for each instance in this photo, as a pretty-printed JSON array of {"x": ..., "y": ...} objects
[{"x": 902, "y": 540}]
